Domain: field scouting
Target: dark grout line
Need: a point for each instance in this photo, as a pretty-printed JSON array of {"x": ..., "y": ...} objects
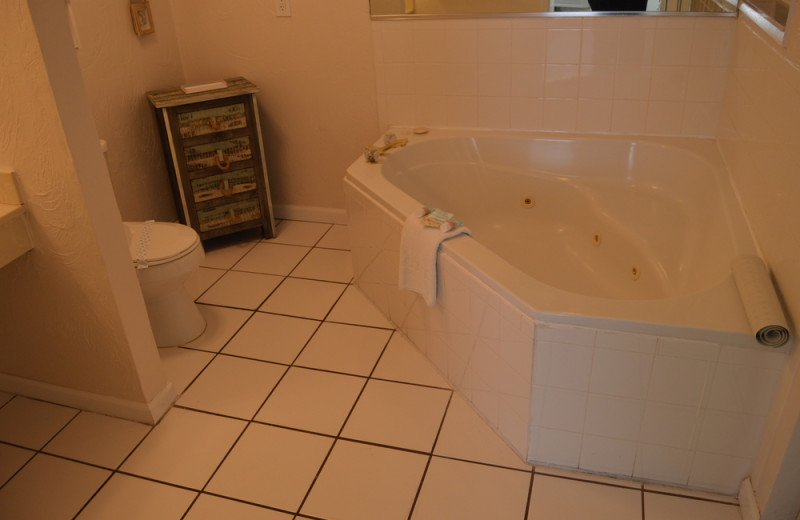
[{"x": 530, "y": 497}]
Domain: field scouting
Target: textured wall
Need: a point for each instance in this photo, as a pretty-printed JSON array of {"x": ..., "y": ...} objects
[
  {"x": 759, "y": 136},
  {"x": 316, "y": 74},
  {"x": 118, "y": 68},
  {"x": 58, "y": 316}
]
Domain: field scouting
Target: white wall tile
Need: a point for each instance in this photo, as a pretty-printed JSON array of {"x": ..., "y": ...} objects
[
  {"x": 555, "y": 447},
  {"x": 596, "y": 81},
  {"x": 461, "y": 46},
  {"x": 629, "y": 116},
  {"x": 494, "y": 112},
  {"x": 679, "y": 381},
  {"x": 690, "y": 349},
  {"x": 528, "y": 45},
  {"x": 636, "y": 46},
  {"x": 563, "y": 46},
  {"x": 527, "y": 80},
  {"x": 741, "y": 389},
  {"x": 720, "y": 473},
  {"x": 599, "y": 47},
  {"x": 621, "y": 374},
  {"x": 594, "y": 115},
  {"x": 494, "y": 46},
  {"x": 606, "y": 455},
  {"x": 730, "y": 434},
  {"x": 626, "y": 341},
  {"x": 561, "y": 80},
  {"x": 614, "y": 417},
  {"x": 494, "y": 79},
  {"x": 559, "y": 409},
  {"x": 669, "y": 425},
  {"x": 664, "y": 118},
  {"x": 560, "y": 114},
  {"x": 632, "y": 82},
  {"x": 526, "y": 113},
  {"x": 663, "y": 464},
  {"x": 561, "y": 365}
]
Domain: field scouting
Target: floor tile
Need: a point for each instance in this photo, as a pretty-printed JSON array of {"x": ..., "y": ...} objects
[
  {"x": 131, "y": 498},
  {"x": 221, "y": 324},
  {"x": 665, "y": 507},
  {"x": 270, "y": 258},
  {"x": 337, "y": 237},
  {"x": 31, "y": 423},
  {"x": 292, "y": 298},
  {"x": 98, "y": 439},
  {"x": 553, "y": 497},
  {"x": 11, "y": 459},
  {"x": 353, "y": 307},
  {"x": 363, "y": 482},
  {"x": 397, "y": 414},
  {"x": 344, "y": 348},
  {"x": 402, "y": 361},
  {"x": 224, "y": 252},
  {"x": 300, "y": 233},
  {"x": 183, "y": 365},
  {"x": 242, "y": 290},
  {"x": 467, "y": 491},
  {"x": 272, "y": 337},
  {"x": 50, "y": 487},
  {"x": 325, "y": 264},
  {"x": 184, "y": 448},
  {"x": 209, "y": 507},
  {"x": 312, "y": 400},
  {"x": 271, "y": 466},
  {"x": 466, "y": 435},
  {"x": 232, "y": 386},
  {"x": 200, "y": 280}
]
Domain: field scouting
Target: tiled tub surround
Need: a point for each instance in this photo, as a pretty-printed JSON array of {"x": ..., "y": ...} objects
[
  {"x": 620, "y": 74},
  {"x": 658, "y": 408}
]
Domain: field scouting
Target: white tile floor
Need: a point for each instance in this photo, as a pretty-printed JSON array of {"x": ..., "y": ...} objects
[{"x": 299, "y": 401}]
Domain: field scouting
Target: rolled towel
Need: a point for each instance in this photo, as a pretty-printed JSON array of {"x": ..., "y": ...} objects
[
  {"x": 760, "y": 300},
  {"x": 419, "y": 253}
]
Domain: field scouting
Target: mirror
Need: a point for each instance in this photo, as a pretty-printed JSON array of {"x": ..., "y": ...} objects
[{"x": 460, "y": 8}]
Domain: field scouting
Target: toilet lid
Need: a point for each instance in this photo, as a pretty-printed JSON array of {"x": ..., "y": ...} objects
[{"x": 153, "y": 243}]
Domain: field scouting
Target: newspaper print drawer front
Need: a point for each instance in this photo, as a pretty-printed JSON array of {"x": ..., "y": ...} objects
[
  {"x": 212, "y": 120},
  {"x": 220, "y": 154},
  {"x": 224, "y": 184},
  {"x": 229, "y": 214}
]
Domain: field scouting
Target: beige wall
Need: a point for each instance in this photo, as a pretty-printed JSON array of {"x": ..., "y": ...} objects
[
  {"x": 71, "y": 314},
  {"x": 118, "y": 68},
  {"x": 760, "y": 138},
  {"x": 315, "y": 70}
]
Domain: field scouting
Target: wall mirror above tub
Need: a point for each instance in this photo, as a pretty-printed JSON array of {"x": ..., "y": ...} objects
[{"x": 382, "y": 9}]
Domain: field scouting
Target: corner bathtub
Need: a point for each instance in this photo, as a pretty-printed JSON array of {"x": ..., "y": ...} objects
[{"x": 591, "y": 317}]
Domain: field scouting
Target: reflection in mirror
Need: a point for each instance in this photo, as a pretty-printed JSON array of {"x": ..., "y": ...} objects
[
  {"x": 415, "y": 8},
  {"x": 775, "y": 11}
]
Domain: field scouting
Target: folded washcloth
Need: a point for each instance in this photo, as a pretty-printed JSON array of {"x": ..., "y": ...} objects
[{"x": 419, "y": 251}]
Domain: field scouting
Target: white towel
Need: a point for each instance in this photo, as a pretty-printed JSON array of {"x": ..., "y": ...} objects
[{"x": 419, "y": 252}]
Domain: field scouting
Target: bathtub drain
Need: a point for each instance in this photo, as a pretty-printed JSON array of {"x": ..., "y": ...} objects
[{"x": 528, "y": 201}]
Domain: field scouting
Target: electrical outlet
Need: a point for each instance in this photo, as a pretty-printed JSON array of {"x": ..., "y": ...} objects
[{"x": 283, "y": 8}]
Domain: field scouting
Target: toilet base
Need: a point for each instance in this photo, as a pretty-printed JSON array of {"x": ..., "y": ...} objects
[{"x": 175, "y": 319}]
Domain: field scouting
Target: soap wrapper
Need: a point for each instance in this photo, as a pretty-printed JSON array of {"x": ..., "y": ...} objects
[{"x": 437, "y": 218}]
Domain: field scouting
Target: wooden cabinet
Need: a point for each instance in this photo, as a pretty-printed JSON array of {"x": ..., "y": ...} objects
[{"x": 213, "y": 146}]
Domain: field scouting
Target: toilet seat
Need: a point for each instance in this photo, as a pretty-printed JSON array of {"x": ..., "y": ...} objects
[{"x": 155, "y": 243}]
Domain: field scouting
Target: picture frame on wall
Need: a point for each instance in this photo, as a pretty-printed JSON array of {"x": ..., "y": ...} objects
[{"x": 142, "y": 18}]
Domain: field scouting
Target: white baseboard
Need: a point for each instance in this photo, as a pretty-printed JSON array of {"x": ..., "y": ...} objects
[
  {"x": 310, "y": 213},
  {"x": 148, "y": 413},
  {"x": 748, "y": 506}
]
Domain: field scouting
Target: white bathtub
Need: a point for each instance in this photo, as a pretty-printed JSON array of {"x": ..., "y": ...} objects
[{"x": 591, "y": 317}]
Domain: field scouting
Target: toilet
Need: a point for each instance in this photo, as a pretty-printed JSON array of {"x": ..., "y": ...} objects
[{"x": 164, "y": 255}]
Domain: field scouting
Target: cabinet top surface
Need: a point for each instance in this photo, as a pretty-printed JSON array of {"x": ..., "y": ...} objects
[{"x": 175, "y": 96}]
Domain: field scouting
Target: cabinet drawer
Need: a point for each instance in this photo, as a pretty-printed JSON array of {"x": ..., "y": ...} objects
[
  {"x": 224, "y": 184},
  {"x": 229, "y": 214},
  {"x": 220, "y": 153},
  {"x": 212, "y": 120}
]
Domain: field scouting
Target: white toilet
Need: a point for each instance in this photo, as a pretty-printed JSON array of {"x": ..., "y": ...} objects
[{"x": 165, "y": 254}]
